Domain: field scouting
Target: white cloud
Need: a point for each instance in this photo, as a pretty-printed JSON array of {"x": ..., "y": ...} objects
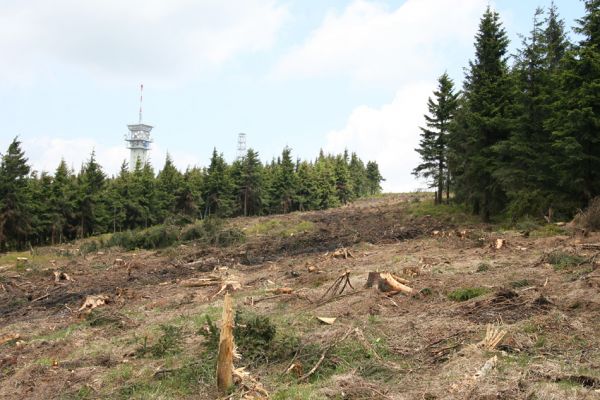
[
  {"x": 154, "y": 40},
  {"x": 404, "y": 49},
  {"x": 372, "y": 44},
  {"x": 44, "y": 154},
  {"x": 388, "y": 134}
]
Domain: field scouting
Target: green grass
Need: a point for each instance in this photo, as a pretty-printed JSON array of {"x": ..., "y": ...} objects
[
  {"x": 281, "y": 228},
  {"x": 296, "y": 392},
  {"x": 519, "y": 283},
  {"x": 449, "y": 211},
  {"x": 62, "y": 333},
  {"x": 465, "y": 294},
  {"x": 561, "y": 260},
  {"x": 547, "y": 230}
]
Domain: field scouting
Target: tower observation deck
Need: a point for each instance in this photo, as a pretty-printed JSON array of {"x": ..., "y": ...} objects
[{"x": 138, "y": 140}]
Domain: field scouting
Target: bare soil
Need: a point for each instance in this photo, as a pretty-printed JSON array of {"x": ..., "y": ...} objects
[{"x": 425, "y": 346}]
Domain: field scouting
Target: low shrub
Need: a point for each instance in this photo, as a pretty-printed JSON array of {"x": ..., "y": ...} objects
[
  {"x": 168, "y": 343},
  {"x": 562, "y": 260},
  {"x": 590, "y": 218}
]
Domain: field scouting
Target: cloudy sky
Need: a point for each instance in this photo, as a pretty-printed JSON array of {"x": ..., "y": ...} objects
[{"x": 308, "y": 74}]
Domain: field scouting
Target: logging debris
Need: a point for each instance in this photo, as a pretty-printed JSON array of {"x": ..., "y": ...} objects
[
  {"x": 342, "y": 253},
  {"x": 61, "y": 276},
  {"x": 94, "y": 301}
]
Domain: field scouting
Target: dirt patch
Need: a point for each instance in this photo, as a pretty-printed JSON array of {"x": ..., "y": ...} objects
[{"x": 507, "y": 306}]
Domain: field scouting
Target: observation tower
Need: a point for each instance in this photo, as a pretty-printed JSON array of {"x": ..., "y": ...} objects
[{"x": 138, "y": 139}]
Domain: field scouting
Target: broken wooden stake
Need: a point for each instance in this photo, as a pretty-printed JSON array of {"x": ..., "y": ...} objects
[{"x": 225, "y": 356}]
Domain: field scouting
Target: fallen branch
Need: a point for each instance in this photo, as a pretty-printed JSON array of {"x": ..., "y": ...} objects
[
  {"x": 201, "y": 282},
  {"x": 40, "y": 298},
  {"x": 343, "y": 280},
  {"x": 9, "y": 337},
  {"x": 320, "y": 361}
]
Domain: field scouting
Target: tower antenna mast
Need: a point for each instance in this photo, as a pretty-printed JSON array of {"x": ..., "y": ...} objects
[{"x": 141, "y": 99}]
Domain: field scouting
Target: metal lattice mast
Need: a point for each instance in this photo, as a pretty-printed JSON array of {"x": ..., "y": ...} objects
[{"x": 241, "y": 148}]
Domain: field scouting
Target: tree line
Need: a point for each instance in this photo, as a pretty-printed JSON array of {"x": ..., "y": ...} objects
[
  {"x": 522, "y": 137},
  {"x": 41, "y": 208}
]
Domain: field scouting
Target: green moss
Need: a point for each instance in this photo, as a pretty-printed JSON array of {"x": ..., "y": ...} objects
[
  {"x": 465, "y": 294},
  {"x": 280, "y": 228}
]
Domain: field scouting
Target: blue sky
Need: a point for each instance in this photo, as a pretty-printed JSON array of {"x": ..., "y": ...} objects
[{"x": 308, "y": 74}]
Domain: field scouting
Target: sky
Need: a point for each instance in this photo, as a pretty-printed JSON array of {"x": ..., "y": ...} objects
[{"x": 308, "y": 74}]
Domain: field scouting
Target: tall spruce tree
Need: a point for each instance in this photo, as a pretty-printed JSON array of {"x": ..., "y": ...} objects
[
  {"x": 250, "y": 185},
  {"x": 526, "y": 157},
  {"x": 358, "y": 176},
  {"x": 576, "y": 119},
  {"x": 15, "y": 215},
  {"x": 218, "y": 188},
  {"x": 169, "y": 187},
  {"x": 483, "y": 120},
  {"x": 91, "y": 210},
  {"x": 374, "y": 178},
  {"x": 63, "y": 203},
  {"x": 284, "y": 183},
  {"x": 433, "y": 147}
]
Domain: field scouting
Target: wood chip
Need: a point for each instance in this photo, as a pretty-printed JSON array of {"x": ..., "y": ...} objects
[{"x": 327, "y": 320}]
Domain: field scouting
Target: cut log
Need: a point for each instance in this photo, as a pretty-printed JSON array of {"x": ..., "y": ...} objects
[
  {"x": 200, "y": 282},
  {"x": 225, "y": 356}
]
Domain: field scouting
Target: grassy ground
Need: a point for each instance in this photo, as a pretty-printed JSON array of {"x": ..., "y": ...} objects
[{"x": 156, "y": 337}]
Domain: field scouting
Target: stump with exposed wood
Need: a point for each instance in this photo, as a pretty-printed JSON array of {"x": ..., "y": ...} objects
[
  {"x": 225, "y": 356},
  {"x": 388, "y": 283}
]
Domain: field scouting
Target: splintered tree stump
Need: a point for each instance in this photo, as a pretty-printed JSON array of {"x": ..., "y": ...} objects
[
  {"x": 387, "y": 283},
  {"x": 372, "y": 279},
  {"x": 225, "y": 356}
]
